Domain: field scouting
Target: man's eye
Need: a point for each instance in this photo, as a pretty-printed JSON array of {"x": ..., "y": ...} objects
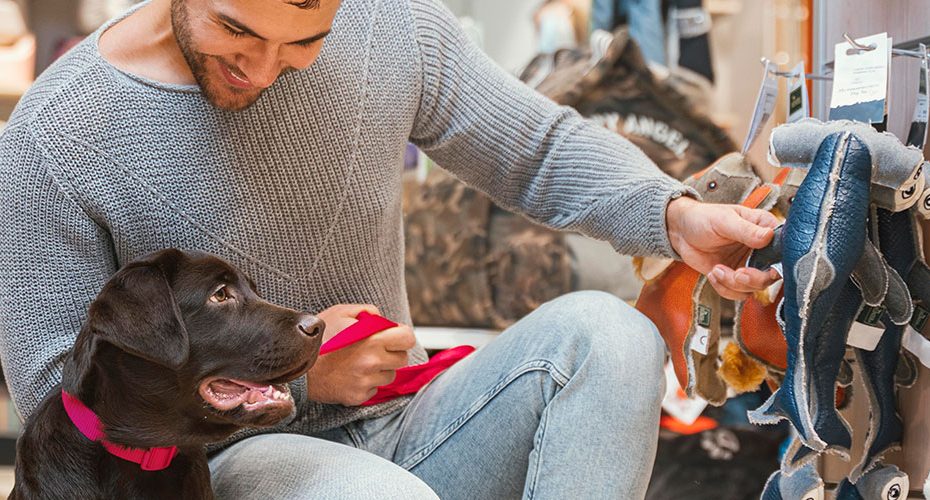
[
  {"x": 220, "y": 295},
  {"x": 233, "y": 32}
]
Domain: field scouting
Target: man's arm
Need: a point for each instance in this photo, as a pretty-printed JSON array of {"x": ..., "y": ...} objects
[
  {"x": 547, "y": 162},
  {"x": 530, "y": 155},
  {"x": 53, "y": 261}
]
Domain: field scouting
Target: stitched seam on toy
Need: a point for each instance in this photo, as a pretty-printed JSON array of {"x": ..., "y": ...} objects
[
  {"x": 866, "y": 464},
  {"x": 822, "y": 227},
  {"x": 532, "y": 366},
  {"x": 174, "y": 208}
]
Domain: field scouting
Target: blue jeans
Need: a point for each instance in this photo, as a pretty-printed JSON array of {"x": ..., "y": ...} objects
[{"x": 565, "y": 403}]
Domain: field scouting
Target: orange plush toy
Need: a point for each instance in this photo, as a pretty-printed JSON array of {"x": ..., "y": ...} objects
[{"x": 683, "y": 305}]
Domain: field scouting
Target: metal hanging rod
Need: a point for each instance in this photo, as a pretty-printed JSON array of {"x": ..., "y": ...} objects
[
  {"x": 788, "y": 74},
  {"x": 895, "y": 52},
  {"x": 917, "y": 54},
  {"x": 920, "y": 53}
]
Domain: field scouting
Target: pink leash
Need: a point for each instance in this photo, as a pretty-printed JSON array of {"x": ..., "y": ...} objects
[
  {"x": 89, "y": 424},
  {"x": 410, "y": 379}
]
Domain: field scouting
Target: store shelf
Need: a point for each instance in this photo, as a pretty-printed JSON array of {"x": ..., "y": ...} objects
[{"x": 439, "y": 338}]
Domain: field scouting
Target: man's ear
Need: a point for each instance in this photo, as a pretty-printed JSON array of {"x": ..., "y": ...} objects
[{"x": 137, "y": 312}]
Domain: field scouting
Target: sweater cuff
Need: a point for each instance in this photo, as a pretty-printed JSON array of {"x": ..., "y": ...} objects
[{"x": 637, "y": 225}]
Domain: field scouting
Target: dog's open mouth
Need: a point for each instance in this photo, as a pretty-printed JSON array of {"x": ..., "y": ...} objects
[{"x": 226, "y": 394}]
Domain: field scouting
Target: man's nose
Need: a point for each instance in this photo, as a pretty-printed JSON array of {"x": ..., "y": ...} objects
[{"x": 263, "y": 68}]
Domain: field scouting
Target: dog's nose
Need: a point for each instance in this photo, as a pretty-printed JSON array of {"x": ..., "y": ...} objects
[{"x": 310, "y": 325}]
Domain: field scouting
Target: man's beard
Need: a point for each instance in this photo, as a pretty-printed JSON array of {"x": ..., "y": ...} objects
[{"x": 219, "y": 94}]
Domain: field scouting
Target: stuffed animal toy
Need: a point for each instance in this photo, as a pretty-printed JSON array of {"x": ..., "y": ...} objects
[
  {"x": 822, "y": 242},
  {"x": 680, "y": 301}
]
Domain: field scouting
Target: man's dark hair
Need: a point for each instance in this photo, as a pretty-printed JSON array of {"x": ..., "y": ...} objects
[{"x": 306, "y": 4}]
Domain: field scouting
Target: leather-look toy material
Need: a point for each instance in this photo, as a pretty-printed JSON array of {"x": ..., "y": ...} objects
[
  {"x": 803, "y": 484},
  {"x": 681, "y": 302},
  {"x": 822, "y": 241},
  {"x": 673, "y": 303},
  {"x": 788, "y": 181},
  {"x": 759, "y": 334},
  {"x": 897, "y": 238},
  {"x": 896, "y": 185},
  {"x": 882, "y": 483},
  {"x": 755, "y": 326},
  {"x": 923, "y": 203}
]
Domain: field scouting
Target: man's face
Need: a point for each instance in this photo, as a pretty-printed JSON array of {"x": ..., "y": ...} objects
[{"x": 238, "y": 48}]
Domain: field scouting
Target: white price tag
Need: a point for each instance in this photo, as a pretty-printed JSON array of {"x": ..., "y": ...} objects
[
  {"x": 921, "y": 109},
  {"x": 860, "y": 80},
  {"x": 765, "y": 105},
  {"x": 917, "y": 344},
  {"x": 864, "y": 336},
  {"x": 699, "y": 340},
  {"x": 917, "y": 135},
  {"x": 676, "y": 403},
  {"x": 798, "y": 105}
]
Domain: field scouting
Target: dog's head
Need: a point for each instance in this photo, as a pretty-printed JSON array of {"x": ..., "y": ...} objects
[{"x": 179, "y": 348}]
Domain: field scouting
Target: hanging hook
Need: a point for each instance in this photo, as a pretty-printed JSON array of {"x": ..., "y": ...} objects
[{"x": 858, "y": 46}]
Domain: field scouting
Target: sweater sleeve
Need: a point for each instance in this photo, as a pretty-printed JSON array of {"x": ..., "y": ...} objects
[
  {"x": 528, "y": 154},
  {"x": 54, "y": 260}
]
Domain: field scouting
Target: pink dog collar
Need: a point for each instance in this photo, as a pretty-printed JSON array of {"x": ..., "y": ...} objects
[{"x": 150, "y": 459}]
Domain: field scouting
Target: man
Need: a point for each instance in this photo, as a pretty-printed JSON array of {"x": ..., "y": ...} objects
[{"x": 229, "y": 126}]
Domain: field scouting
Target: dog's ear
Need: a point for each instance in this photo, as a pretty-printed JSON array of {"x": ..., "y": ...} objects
[{"x": 137, "y": 312}]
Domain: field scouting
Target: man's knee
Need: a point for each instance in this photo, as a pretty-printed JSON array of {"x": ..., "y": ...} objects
[
  {"x": 295, "y": 466},
  {"x": 612, "y": 328}
]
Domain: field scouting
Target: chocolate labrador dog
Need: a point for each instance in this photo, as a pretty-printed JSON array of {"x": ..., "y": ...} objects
[{"x": 178, "y": 350}]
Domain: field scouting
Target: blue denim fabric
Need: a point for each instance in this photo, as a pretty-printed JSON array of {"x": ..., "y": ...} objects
[
  {"x": 645, "y": 22},
  {"x": 564, "y": 404}
]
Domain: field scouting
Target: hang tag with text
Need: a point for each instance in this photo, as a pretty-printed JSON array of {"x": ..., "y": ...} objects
[
  {"x": 798, "y": 105},
  {"x": 867, "y": 330},
  {"x": 917, "y": 135},
  {"x": 701, "y": 335},
  {"x": 765, "y": 105},
  {"x": 860, "y": 80},
  {"x": 916, "y": 344}
]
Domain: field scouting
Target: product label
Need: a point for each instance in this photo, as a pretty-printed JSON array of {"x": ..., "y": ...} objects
[
  {"x": 867, "y": 330},
  {"x": 860, "y": 80},
  {"x": 699, "y": 340},
  {"x": 917, "y": 344},
  {"x": 917, "y": 135},
  {"x": 765, "y": 105},
  {"x": 919, "y": 318},
  {"x": 798, "y": 106}
]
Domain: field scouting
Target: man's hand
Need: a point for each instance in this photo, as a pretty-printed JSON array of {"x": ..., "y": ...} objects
[
  {"x": 352, "y": 375},
  {"x": 716, "y": 239}
]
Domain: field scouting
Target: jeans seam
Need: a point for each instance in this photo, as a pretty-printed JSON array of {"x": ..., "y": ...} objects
[
  {"x": 533, "y": 480},
  {"x": 354, "y": 435},
  {"x": 536, "y": 365}
]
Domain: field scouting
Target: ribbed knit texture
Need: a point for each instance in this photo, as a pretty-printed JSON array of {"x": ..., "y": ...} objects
[{"x": 301, "y": 191}]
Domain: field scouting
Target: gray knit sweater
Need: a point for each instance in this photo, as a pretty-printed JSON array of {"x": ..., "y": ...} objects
[{"x": 301, "y": 191}]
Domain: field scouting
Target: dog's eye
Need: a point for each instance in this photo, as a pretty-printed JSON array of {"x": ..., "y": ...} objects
[{"x": 220, "y": 295}]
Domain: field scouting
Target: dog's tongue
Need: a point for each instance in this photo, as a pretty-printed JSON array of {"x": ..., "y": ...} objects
[{"x": 227, "y": 394}]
